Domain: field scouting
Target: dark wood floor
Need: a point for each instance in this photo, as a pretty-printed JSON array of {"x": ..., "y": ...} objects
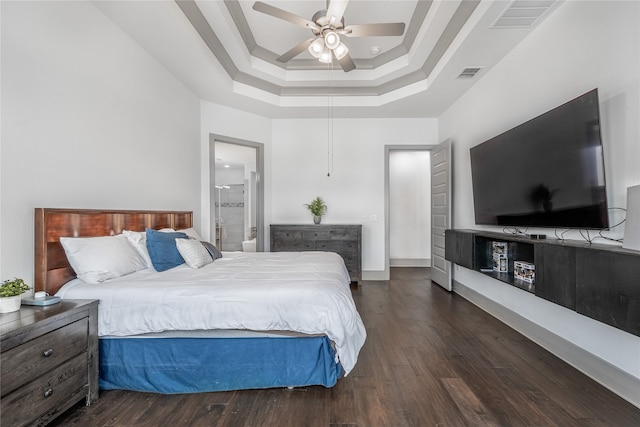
[{"x": 431, "y": 359}]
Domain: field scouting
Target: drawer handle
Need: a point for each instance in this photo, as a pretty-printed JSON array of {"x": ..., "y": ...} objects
[
  {"x": 48, "y": 392},
  {"x": 47, "y": 353}
]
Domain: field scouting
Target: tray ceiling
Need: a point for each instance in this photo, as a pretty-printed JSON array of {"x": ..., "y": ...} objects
[{"x": 225, "y": 52}]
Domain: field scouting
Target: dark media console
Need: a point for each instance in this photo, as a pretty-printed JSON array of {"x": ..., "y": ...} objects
[{"x": 598, "y": 281}]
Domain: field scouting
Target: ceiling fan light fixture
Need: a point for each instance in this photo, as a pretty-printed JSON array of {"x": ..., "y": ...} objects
[
  {"x": 316, "y": 47},
  {"x": 340, "y": 51},
  {"x": 327, "y": 26},
  {"x": 331, "y": 39},
  {"x": 326, "y": 57}
]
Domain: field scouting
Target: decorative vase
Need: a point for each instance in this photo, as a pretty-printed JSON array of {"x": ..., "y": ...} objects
[
  {"x": 10, "y": 304},
  {"x": 317, "y": 219}
]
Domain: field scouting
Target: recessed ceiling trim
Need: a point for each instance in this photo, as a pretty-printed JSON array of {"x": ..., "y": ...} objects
[
  {"x": 460, "y": 17},
  {"x": 259, "y": 83},
  {"x": 199, "y": 22},
  {"x": 245, "y": 80},
  {"x": 418, "y": 17},
  {"x": 405, "y": 80},
  {"x": 337, "y": 100},
  {"x": 241, "y": 24},
  {"x": 386, "y": 57},
  {"x": 164, "y": 30},
  {"x": 332, "y": 91}
]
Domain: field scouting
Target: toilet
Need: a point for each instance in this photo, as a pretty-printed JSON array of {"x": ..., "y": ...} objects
[{"x": 249, "y": 245}]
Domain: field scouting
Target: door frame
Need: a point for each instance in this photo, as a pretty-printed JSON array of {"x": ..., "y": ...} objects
[
  {"x": 387, "y": 209},
  {"x": 259, "y": 147}
]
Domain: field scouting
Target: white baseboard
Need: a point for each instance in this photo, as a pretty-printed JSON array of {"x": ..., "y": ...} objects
[
  {"x": 410, "y": 262},
  {"x": 618, "y": 381},
  {"x": 376, "y": 275}
]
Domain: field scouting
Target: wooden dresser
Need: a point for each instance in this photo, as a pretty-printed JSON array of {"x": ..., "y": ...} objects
[
  {"x": 344, "y": 239},
  {"x": 49, "y": 361}
]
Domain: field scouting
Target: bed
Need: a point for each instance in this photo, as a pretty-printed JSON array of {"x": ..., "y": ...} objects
[{"x": 244, "y": 321}]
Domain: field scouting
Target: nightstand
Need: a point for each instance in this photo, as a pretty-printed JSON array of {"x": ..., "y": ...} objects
[{"x": 49, "y": 360}]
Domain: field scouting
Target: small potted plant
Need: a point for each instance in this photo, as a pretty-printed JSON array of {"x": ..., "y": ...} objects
[
  {"x": 11, "y": 294},
  {"x": 317, "y": 207}
]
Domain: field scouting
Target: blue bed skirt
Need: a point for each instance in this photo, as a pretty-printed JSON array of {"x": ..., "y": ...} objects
[{"x": 195, "y": 365}]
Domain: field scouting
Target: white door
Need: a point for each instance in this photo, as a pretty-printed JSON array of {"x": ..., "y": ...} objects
[{"x": 440, "y": 212}]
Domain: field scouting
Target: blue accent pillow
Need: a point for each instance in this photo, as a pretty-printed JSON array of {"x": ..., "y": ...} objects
[{"x": 163, "y": 250}]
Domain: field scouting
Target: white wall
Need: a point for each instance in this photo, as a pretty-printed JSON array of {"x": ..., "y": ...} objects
[
  {"x": 354, "y": 191},
  {"x": 89, "y": 120},
  {"x": 582, "y": 45}
]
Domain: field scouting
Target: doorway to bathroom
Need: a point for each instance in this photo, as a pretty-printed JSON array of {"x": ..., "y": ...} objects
[{"x": 236, "y": 194}]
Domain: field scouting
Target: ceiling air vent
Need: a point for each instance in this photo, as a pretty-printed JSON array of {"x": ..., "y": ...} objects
[
  {"x": 469, "y": 72},
  {"x": 523, "y": 13}
]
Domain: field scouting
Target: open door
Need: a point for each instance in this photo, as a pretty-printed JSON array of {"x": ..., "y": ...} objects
[{"x": 440, "y": 212}]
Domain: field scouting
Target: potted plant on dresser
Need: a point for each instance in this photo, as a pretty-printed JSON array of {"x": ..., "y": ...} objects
[
  {"x": 11, "y": 294},
  {"x": 317, "y": 207}
]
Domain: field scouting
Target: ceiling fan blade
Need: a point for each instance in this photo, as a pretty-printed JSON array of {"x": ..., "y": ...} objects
[
  {"x": 283, "y": 14},
  {"x": 372, "y": 30},
  {"x": 346, "y": 63},
  {"x": 295, "y": 51},
  {"x": 336, "y": 9}
]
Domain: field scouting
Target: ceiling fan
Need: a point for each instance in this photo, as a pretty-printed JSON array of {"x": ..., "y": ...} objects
[{"x": 327, "y": 27}]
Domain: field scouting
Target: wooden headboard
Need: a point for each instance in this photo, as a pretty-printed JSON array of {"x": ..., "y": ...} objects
[{"x": 52, "y": 270}]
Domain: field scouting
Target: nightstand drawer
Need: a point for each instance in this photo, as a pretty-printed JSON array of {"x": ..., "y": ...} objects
[
  {"x": 36, "y": 357},
  {"x": 52, "y": 389}
]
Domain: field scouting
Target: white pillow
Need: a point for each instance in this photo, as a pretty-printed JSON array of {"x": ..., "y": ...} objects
[
  {"x": 138, "y": 240},
  {"x": 96, "y": 259},
  {"x": 192, "y": 233},
  {"x": 193, "y": 253}
]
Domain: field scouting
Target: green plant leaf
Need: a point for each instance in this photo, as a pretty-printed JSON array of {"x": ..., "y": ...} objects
[
  {"x": 13, "y": 287},
  {"x": 317, "y": 206}
]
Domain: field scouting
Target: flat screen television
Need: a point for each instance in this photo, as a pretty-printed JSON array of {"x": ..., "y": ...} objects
[{"x": 546, "y": 172}]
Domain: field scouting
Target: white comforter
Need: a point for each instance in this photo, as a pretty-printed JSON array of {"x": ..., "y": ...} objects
[{"x": 305, "y": 292}]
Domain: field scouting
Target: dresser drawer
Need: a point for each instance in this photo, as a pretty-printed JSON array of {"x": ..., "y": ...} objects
[
  {"x": 341, "y": 247},
  {"x": 37, "y": 399},
  {"x": 346, "y": 233},
  {"x": 278, "y": 245},
  {"x": 286, "y": 235},
  {"x": 36, "y": 357},
  {"x": 293, "y": 246},
  {"x": 350, "y": 259},
  {"x": 319, "y": 234}
]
